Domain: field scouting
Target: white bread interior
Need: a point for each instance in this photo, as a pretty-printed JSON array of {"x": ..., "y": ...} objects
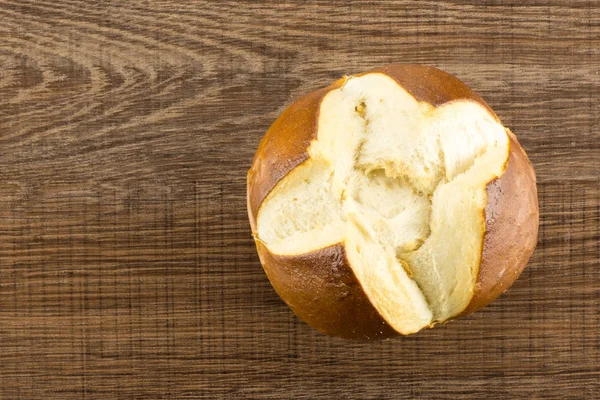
[{"x": 402, "y": 184}]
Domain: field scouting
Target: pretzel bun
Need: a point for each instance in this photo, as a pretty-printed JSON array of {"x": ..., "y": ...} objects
[{"x": 391, "y": 201}]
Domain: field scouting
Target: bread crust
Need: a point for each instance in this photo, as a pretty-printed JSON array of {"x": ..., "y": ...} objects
[
  {"x": 430, "y": 84},
  {"x": 322, "y": 290},
  {"x": 320, "y": 286},
  {"x": 512, "y": 219},
  {"x": 284, "y": 147}
]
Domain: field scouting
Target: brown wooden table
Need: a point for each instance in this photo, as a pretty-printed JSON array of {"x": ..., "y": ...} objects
[{"x": 127, "y": 269}]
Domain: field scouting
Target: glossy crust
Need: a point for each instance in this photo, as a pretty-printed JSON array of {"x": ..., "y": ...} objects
[
  {"x": 322, "y": 290},
  {"x": 512, "y": 219},
  {"x": 430, "y": 84},
  {"x": 284, "y": 147},
  {"x": 320, "y": 286}
]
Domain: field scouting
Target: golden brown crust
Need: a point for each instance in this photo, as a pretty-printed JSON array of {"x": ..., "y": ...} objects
[
  {"x": 284, "y": 147},
  {"x": 511, "y": 217},
  {"x": 322, "y": 290},
  {"x": 320, "y": 286},
  {"x": 432, "y": 85}
]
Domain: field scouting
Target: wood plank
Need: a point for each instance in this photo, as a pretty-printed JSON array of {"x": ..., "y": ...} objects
[{"x": 127, "y": 269}]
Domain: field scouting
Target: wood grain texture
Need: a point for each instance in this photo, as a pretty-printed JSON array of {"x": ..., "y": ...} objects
[{"x": 127, "y": 269}]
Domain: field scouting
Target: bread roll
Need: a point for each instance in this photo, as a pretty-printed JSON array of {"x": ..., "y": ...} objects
[{"x": 391, "y": 201}]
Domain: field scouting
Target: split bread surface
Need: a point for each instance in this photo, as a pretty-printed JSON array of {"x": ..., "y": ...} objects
[{"x": 391, "y": 201}]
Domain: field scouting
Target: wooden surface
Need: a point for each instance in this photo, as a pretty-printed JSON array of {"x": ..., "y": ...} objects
[{"x": 127, "y": 269}]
